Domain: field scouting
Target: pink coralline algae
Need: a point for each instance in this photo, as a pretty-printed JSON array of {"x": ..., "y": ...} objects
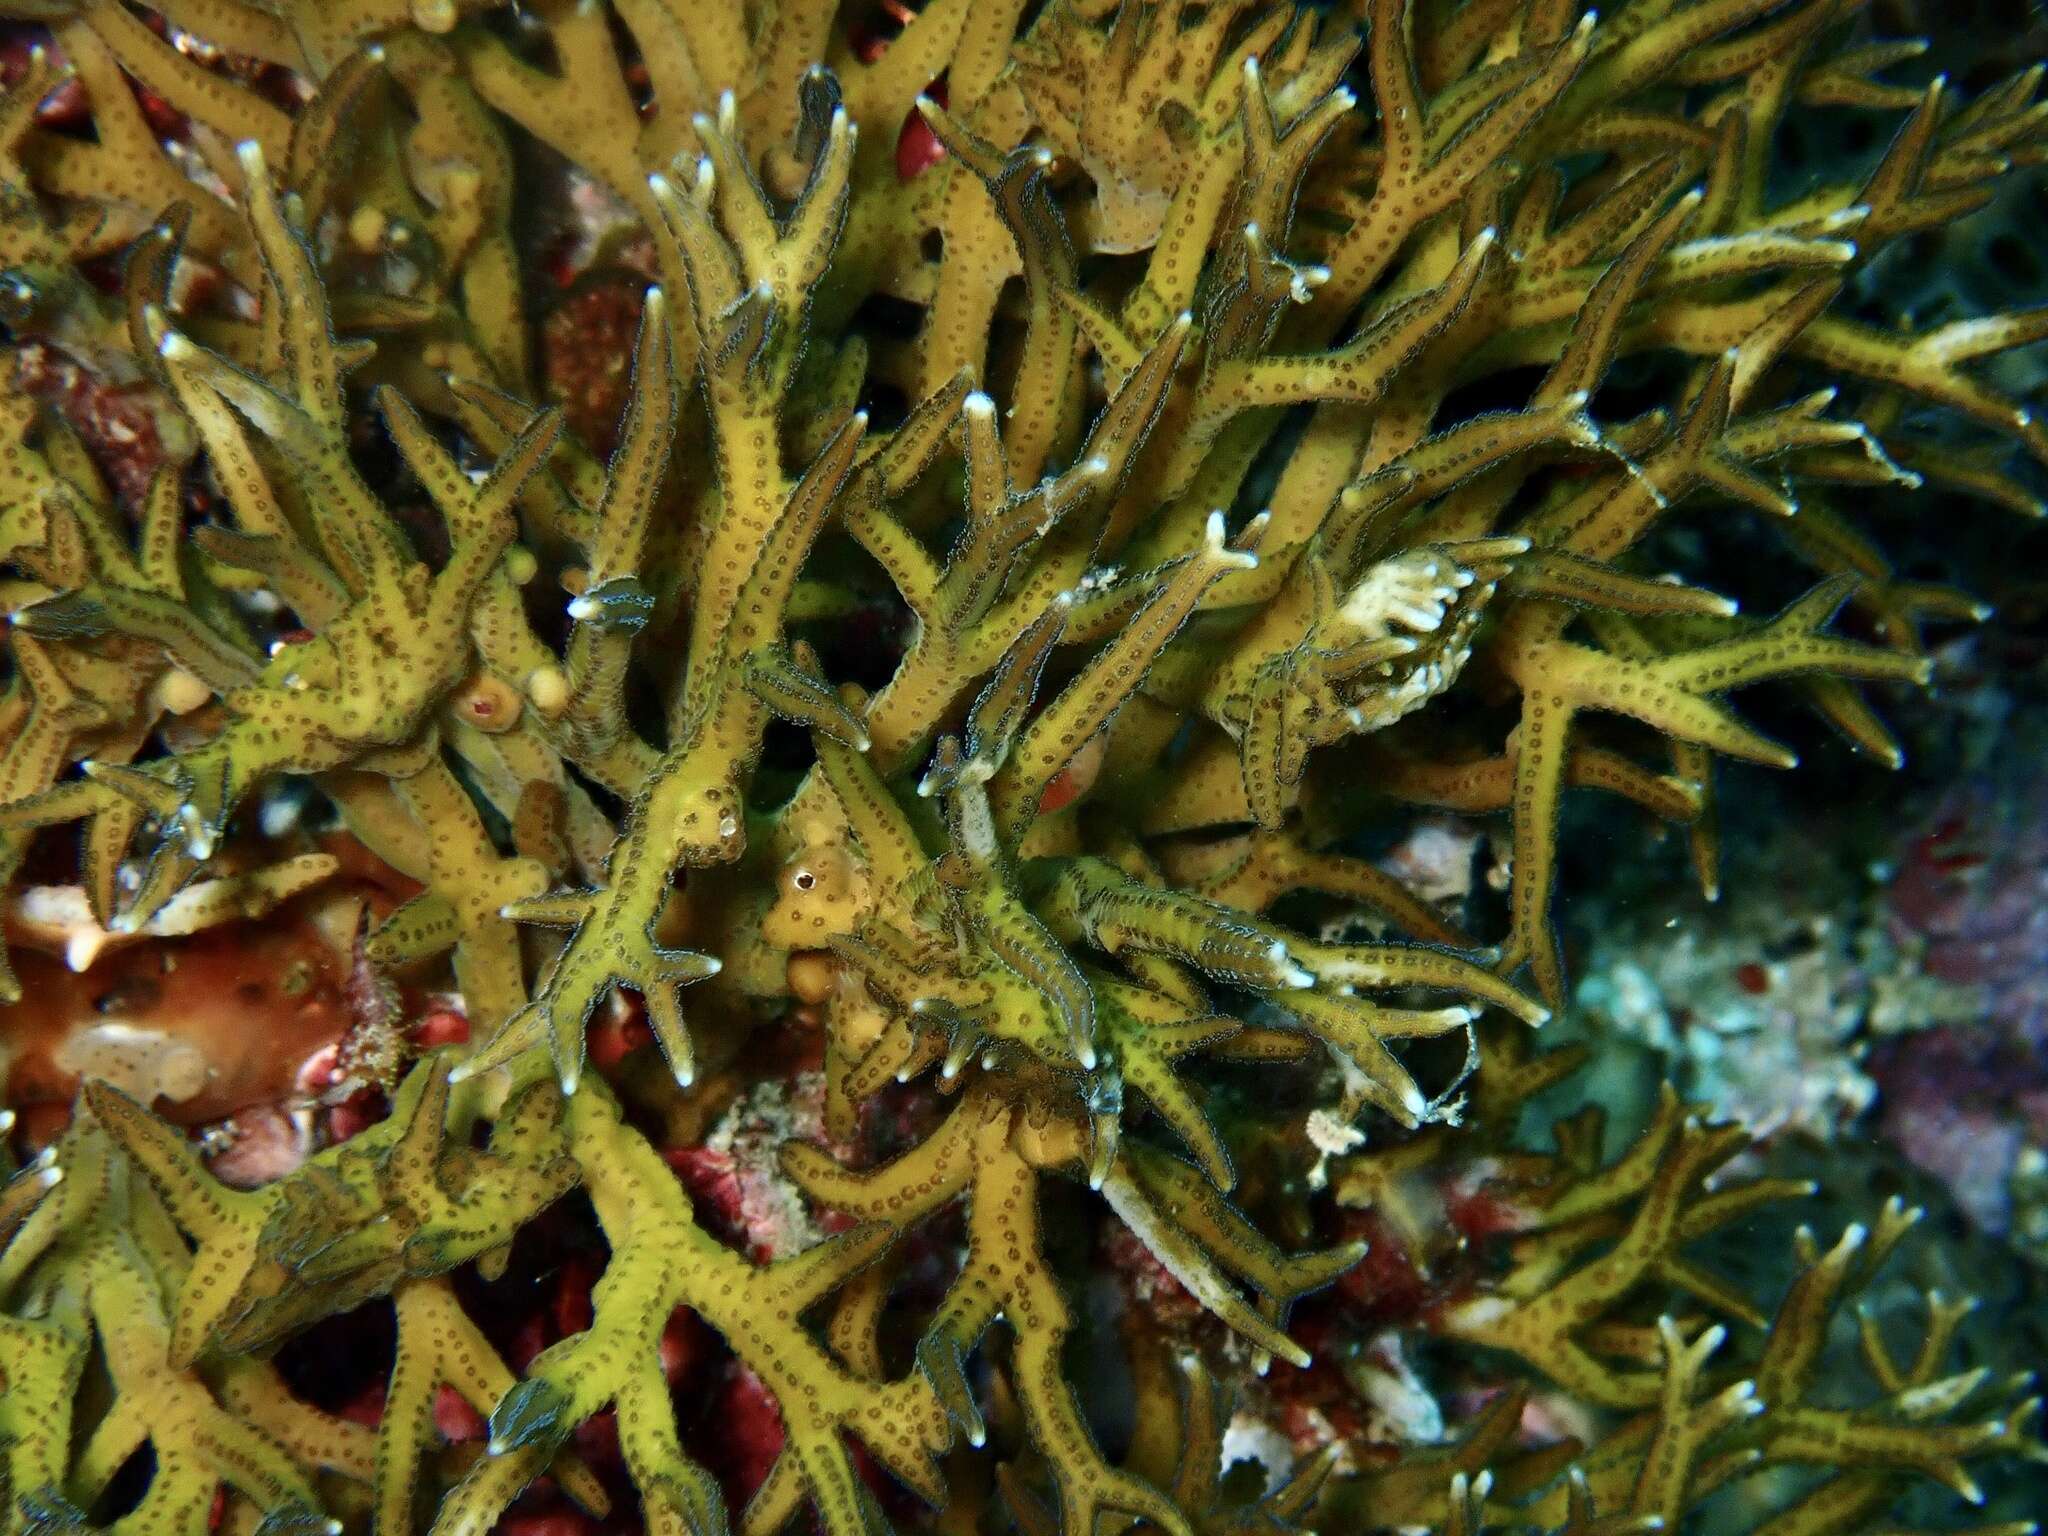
[{"x": 1967, "y": 1100}]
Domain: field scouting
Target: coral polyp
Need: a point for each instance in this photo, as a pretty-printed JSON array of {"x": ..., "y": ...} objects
[{"x": 810, "y": 616}]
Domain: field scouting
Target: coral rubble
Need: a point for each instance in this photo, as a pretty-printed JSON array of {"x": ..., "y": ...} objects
[{"x": 794, "y": 627}]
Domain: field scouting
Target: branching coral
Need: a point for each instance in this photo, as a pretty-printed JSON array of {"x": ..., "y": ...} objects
[
  {"x": 1078, "y": 463},
  {"x": 1692, "y": 1427}
]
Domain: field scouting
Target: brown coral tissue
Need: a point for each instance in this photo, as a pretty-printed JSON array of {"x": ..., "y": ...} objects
[{"x": 821, "y": 765}]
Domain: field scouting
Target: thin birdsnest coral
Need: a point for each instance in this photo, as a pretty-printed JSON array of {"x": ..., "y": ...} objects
[{"x": 1131, "y": 445}]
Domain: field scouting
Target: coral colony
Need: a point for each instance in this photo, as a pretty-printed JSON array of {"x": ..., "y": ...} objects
[{"x": 700, "y": 708}]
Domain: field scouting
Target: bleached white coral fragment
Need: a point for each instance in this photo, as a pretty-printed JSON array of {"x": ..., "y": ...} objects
[
  {"x": 1413, "y": 591},
  {"x": 1249, "y": 1438}
]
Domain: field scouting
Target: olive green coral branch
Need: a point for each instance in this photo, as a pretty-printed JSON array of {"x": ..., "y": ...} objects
[{"x": 647, "y": 1214}]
